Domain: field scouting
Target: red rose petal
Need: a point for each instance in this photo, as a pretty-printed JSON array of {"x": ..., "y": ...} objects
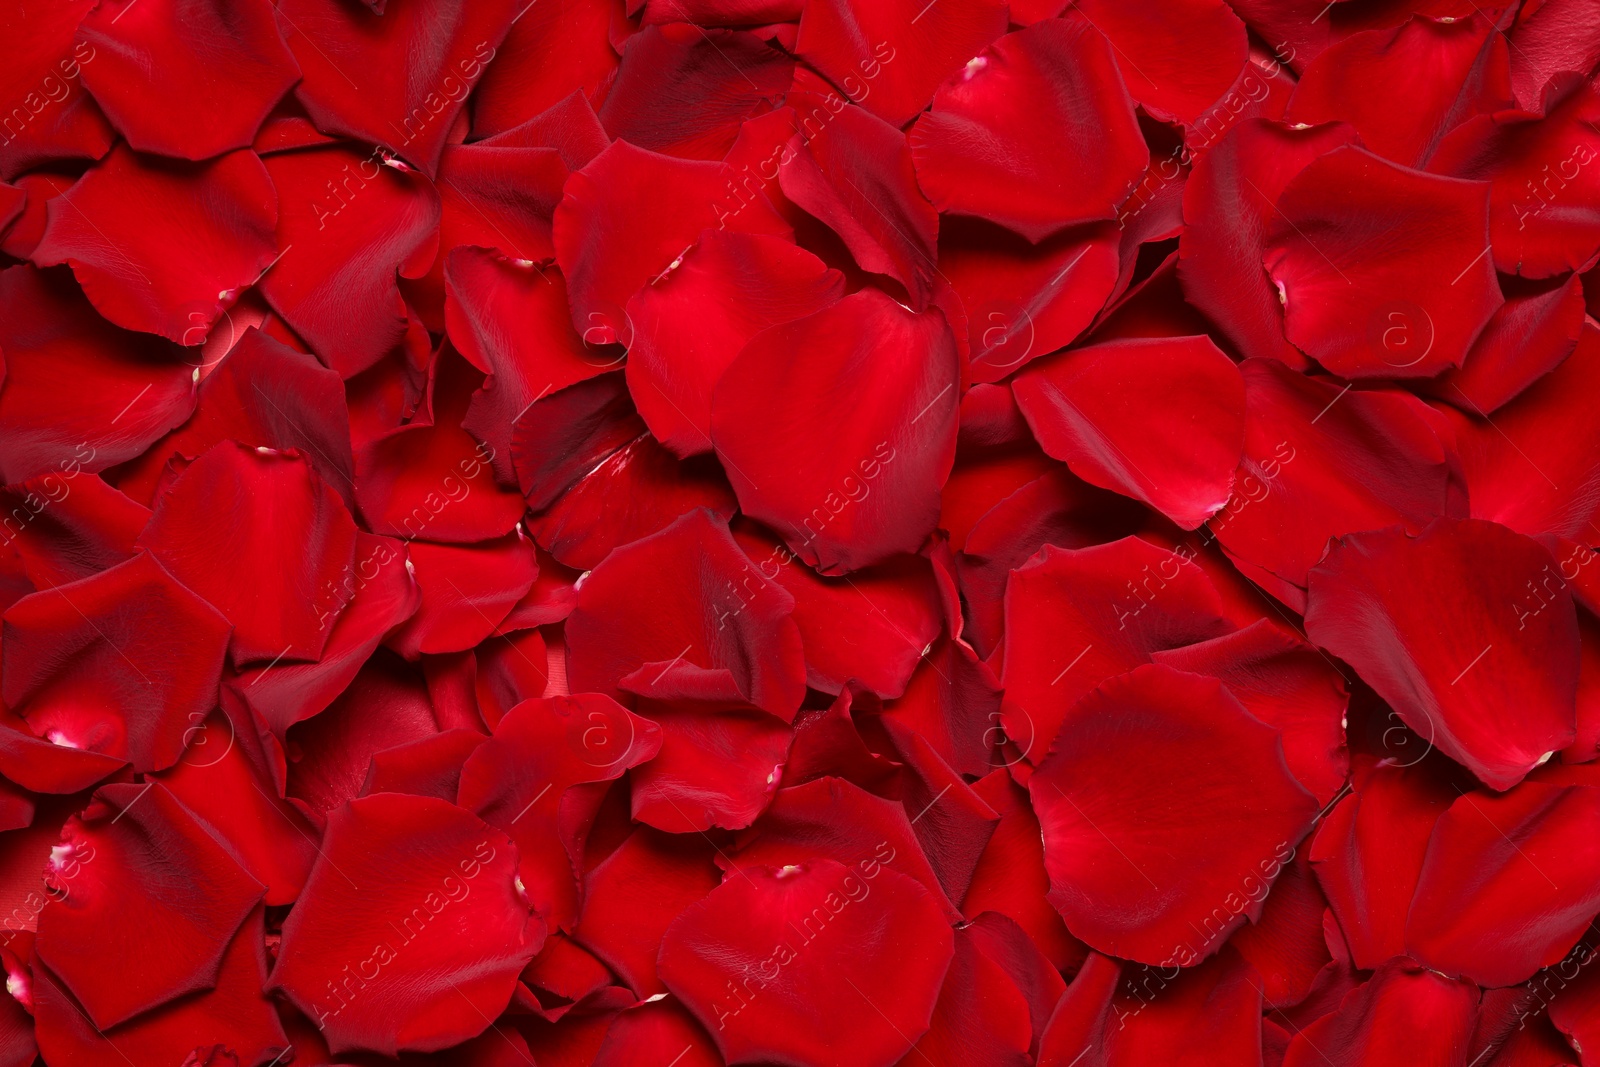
[
  {"x": 683, "y": 91},
  {"x": 342, "y": 247},
  {"x": 854, "y": 173},
  {"x": 1541, "y": 216},
  {"x": 1229, "y": 200},
  {"x": 187, "y": 78},
  {"x": 111, "y": 907},
  {"x": 1024, "y": 300},
  {"x": 622, "y": 192},
  {"x": 689, "y": 326},
  {"x": 1285, "y": 683},
  {"x": 1035, "y": 134},
  {"x": 721, "y": 758},
  {"x": 1076, "y": 618},
  {"x": 1151, "y": 846},
  {"x": 115, "y": 228},
  {"x": 410, "y": 106},
  {"x": 94, "y": 662},
  {"x": 700, "y": 613},
  {"x": 523, "y": 780},
  {"x": 128, "y": 390},
  {"x": 869, "y": 486},
  {"x": 1378, "y": 600},
  {"x": 269, "y": 508},
  {"x": 1369, "y": 852},
  {"x": 1403, "y": 1014},
  {"x": 779, "y": 936},
  {"x": 550, "y": 52},
  {"x": 51, "y": 116},
  {"x": 1490, "y": 903},
  {"x": 1161, "y": 421},
  {"x": 448, "y": 930},
  {"x": 890, "y": 55},
  {"x": 1413, "y": 310},
  {"x": 1178, "y": 59},
  {"x": 1404, "y": 88},
  {"x": 633, "y": 895}
]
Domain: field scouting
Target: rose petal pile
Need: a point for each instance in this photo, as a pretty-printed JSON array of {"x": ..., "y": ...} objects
[{"x": 823, "y": 533}]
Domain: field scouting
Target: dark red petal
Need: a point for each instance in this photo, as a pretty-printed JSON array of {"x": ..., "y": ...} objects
[
  {"x": 381, "y": 594},
  {"x": 890, "y": 55},
  {"x": 1010, "y": 877},
  {"x": 430, "y": 478},
  {"x": 1024, "y": 300},
  {"x": 1161, "y": 421},
  {"x": 1532, "y": 466},
  {"x": 522, "y": 780},
  {"x": 127, "y": 389},
  {"x": 831, "y": 819},
  {"x": 327, "y": 759},
  {"x": 427, "y": 767},
  {"x": 187, "y": 78},
  {"x": 872, "y": 627},
  {"x": 612, "y": 234},
  {"x": 1077, "y": 1030},
  {"x": 1404, "y": 88},
  {"x": 721, "y": 758},
  {"x": 262, "y": 538},
  {"x": 657, "y": 1030},
  {"x": 1320, "y": 461},
  {"x": 1409, "y": 312},
  {"x": 1404, "y": 1015},
  {"x": 116, "y": 225},
  {"x": 467, "y": 591},
  {"x": 813, "y": 962},
  {"x": 683, "y": 90},
  {"x": 44, "y": 767},
  {"x": 1037, "y": 133},
  {"x": 874, "y": 410},
  {"x": 65, "y": 528},
  {"x": 342, "y": 246},
  {"x": 855, "y": 175},
  {"x": 58, "y": 120},
  {"x": 1194, "y": 1018},
  {"x": 1377, "y": 601},
  {"x": 236, "y": 1014},
  {"x": 263, "y": 394},
  {"x": 125, "y": 935},
  {"x": 981, "y": 1016},
  {"x": 1286, "y": 946},
  {"x": 1286, "y": 683},
  {"x": 1550, "y": 37},
  {"x": 637, "y": 490},
  {"x": 1541, "y": 216},
  {"x": 1177, "y": 59},
  {"x": 1055, "y": 508},
  {"x": 222, "y": 788},
  {"x": 1075, "y": 618},
  {"x": 1161, "y": 798},
  {"x": 94, "y": 662},
  {"x": 510, "y": 320},
  {"x": 1535, "y": 329},
  {"x": 416, "y": 954},
  {"x": 1368, "y": 852},
  {"x": 633, "y": 895},
  {"x": 953, "y": 704},
  {"x": 550, "y": 53},
  {"x": 1509, "y": 883},
  {"x": 1229, "y": 200},
  {"x": 682, "y": 596},
  {"x": 691, "y": 324},
  {"x": 407, "y": 106}
]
